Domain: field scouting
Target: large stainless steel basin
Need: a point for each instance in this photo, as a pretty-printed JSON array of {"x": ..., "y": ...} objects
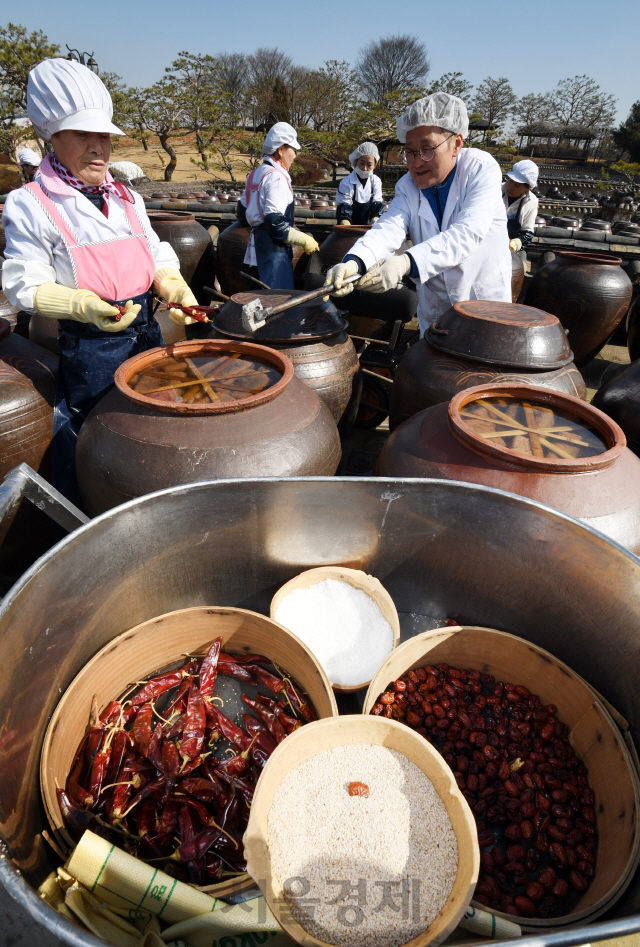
[{"x": 488, "y": 557}]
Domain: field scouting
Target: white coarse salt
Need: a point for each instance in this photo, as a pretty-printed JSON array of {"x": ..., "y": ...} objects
[
  {"x": 342, "y": 626},
  {"x": 357, "y": 870}
]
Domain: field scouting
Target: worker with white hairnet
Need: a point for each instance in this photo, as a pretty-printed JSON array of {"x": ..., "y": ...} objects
[
  {"x": 450, "y": 206},
  {"x": 521, "y": 205},
  {"x": 359, "y": 195},
  {"x": 267, "y": 207},
  {"x": 29, "y": 161}
]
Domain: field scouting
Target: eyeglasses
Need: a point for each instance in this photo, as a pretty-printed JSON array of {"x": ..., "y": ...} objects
[{"x": 409, "y": 156}]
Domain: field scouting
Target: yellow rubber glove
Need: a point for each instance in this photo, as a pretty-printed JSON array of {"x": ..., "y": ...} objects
[
  {"x": 373, "y": 220},
  {"x": 81, "y": 305},
  {"x": 516, "y": 244},
  {"x": 302, "y": 240},
  {"x": 345, "y": 223},
  {"x": 173, "y": 289},
  {"x": 337, "y": 274}
]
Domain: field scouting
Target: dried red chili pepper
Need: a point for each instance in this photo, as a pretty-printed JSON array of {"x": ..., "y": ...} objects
[
  {"x": 79, "y": 819},
  {"x": 209, "y": 669},
  {"x": 118, "y": 749},
  {"x": 299, "y": 703},
  {"x": 75, "y": 790},
  {"x": 142, "y": 729},
  {"x": 248, "y": 658},
  {"x": 111, "y": 713},
  {"x": 99, "y": 769},
  {"x": 170, "y": 760},
  {"x": 238, "y": 671},
  {"x": 268, "y": 718},
  {"x": 154, "y": 751},
  {"x": 156, "y": 686},
  {"x": 230, "y": 730},
  {"x": 194, "y": 728},
  {"x": 275, "y": 684},
  {"x": 94, "y": 740},
  {"x": 146, "y": 818},
  {"x": 233, "y": 765},
  {"x": 204, "y": 789}
]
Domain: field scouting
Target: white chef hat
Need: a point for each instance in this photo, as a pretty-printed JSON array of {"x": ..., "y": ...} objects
[
  {"x": 29, "y": 156},
  {"x": 366, "y": 148},
  {"x": 282, "y": 133},
  {"x": 441, "y": 109},
  {"x": 524, "y": 172},
  {"x": 63, "y": 94}
]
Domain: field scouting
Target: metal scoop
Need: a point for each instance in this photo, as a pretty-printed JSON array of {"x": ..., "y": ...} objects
[{"x": 254, "y": 314}]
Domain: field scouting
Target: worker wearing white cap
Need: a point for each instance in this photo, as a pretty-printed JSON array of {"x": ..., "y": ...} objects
[
  {"x": 450, "y": 205},
  {"x": 29, "y": 161},
  {"x": 359, "y": 195},
  {"x": 267, "y": 207},
  {"x": 79, "y": 246},
  {"x": 521, "y": 204}
]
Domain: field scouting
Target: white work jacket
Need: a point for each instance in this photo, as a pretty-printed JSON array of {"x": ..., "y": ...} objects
[
  {"x": 36, "y": 253},
  {"x": 272, "y": 195},
  {"x": 525, "y": 208},
  {"x": 470, "y": 254},
  {"x": 371, "y": 190}
]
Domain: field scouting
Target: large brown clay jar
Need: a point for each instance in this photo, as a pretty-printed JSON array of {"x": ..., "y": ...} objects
[
  {"x": 131, "y": 445},
  {"x": 27, "y": 387},
  {"x": 426, "y": 377},
  {"x": 602, "y": 490},
  {"x": 232, "y": 246},
  {"x": 517, "y": 276},
  {"x": 192, "y": 245},
  {"x": 312, "y": 335},
  {"x": 589, "y": 294},
  {"x": 620, "y": 399}
]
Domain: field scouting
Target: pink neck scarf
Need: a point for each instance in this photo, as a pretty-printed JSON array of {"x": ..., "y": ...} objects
[{"x": 106, "y": 189}]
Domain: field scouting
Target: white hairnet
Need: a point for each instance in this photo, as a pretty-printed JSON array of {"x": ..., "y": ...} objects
[
  {"x": 282, "y": 133},
  {"x": 366, "y": 148},
  {"x": 524, "y": 172},
  {"x": 63, "y": 94},
  {"x": 441, "y": 109},
  {"x": 29, "y": 156}
]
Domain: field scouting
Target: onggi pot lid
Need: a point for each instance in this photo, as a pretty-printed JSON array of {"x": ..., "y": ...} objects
[
  {"x": 310, "y": 321},
  {"x": 535, "y": 428},
  {"x": 500, "y": 333},
  {"x": 204, "y": 377}
]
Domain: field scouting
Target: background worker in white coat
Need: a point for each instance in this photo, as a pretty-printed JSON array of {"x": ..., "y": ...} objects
[
  {"x": 359, "y": 195},
  {"x": 267, "y": 207},
  {"x": 450, "y": 206},
  {"x": 29, "y": 161},
  {"x": 80, "y": 245},
  {"x": 521, "y": 205}
]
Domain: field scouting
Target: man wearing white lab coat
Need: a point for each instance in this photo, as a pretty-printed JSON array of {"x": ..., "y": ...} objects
[{"x": 450, "y": 206}]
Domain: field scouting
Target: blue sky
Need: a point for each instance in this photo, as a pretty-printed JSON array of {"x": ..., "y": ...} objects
[{"x": 533, "y": 44}]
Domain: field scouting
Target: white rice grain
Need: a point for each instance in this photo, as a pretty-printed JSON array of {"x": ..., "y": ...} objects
[{"x": 373, "y": 870}]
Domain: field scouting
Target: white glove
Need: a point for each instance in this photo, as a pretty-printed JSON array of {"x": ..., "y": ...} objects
[
  {"x": 81, "y": 305},
  {"x": 516, "y": 244},
  {"x": 337, "y": 274},
  {"x": 389, "y": 272},
  {"x": 171, "y": 286},
  {"x": 302, "y": 240}
]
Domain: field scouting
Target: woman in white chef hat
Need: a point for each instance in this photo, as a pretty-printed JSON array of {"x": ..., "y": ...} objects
[
  {"x": 359, "y": 195},
  {"x": 29, "y": 161},
  {"x": 521, "y": 204},
  {"x": 79, "y": 243},
  {"x": 267, "y": 206}
]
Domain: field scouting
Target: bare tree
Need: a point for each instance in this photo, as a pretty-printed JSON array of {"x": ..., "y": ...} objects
[
  {"x": 454, "y": 84},
  {"x": 579, "y": 101},
  {"x": 391, "y": 64},
  {"x": 268, "y": 64},
  {"x": 533, "y": 108},
  {"x": 233, "y": 71},
  {"x": 494, "y": 100}
]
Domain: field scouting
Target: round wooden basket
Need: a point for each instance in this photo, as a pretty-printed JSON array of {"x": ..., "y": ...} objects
[
  {"x": 358, "y": 580},
  {"x": 592, "y": 732},
  {"x": 146, "y": 648},
  {"x": 349, "y": 731}
]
